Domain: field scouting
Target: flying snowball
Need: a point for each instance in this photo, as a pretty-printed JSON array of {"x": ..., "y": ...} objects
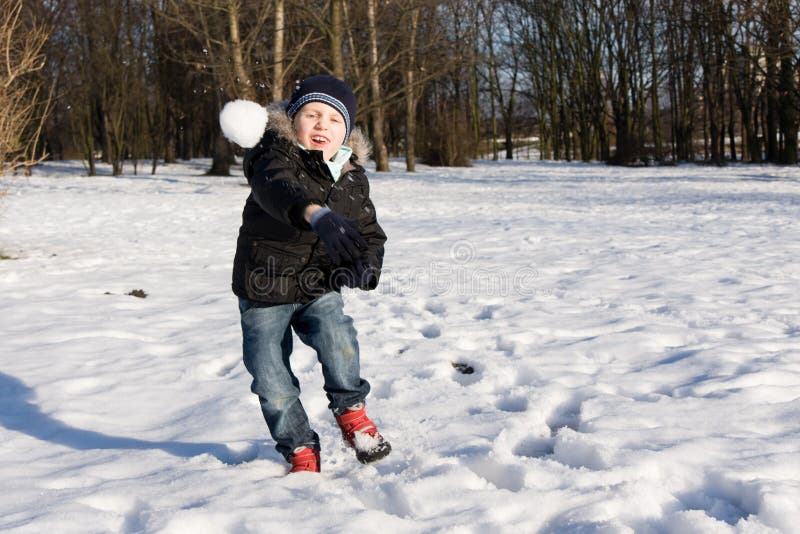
[{"x": 243, "y": 122}]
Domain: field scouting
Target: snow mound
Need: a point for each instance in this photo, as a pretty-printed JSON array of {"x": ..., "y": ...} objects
[{"x": 243, "y": 122}]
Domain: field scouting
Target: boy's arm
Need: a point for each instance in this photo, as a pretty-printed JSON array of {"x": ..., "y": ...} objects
[{"x": 275, "y": 185}]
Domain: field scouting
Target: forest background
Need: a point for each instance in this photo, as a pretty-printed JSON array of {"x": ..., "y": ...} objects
[{"x": 630, "y": 82}]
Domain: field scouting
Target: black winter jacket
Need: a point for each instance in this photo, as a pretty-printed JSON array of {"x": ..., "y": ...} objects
[{"x": 279, "y": 259}]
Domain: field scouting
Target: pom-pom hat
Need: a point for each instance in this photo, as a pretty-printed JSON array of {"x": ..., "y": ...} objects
[{"x": 328, "y": 90}]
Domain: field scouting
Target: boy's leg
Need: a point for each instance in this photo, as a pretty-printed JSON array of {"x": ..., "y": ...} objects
[
  {"x": 322, "y": 325},
  {"x": 267, "y": 345}
]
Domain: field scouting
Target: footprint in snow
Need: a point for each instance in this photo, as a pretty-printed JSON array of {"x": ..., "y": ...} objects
[
  {"x": 567, "y": 415},
  {"x": 501, "y": 476},
  {"x": 436, "y": 307},
  {"x": 512, "y": 403},
  {"x": 218, "y": 368},
  {"x": 535, "y": 447},
  {"x": 722, "y": 498},
  {"x": 431, "y": 331},
  {"x": 486, "y": 313}
]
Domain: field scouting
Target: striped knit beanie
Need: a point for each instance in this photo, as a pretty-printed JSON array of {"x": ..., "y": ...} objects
[{"x": 329, "y": 90}]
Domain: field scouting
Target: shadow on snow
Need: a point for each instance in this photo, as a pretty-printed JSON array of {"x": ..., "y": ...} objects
[{"x": 18, "y": 413}]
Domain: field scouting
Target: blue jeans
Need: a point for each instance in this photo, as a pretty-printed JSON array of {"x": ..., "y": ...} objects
[{"x": 267, "y": 346}]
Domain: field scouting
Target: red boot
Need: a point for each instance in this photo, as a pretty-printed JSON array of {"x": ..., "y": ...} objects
[
  {"x": 361, "y": 434},
  {"x": 305, "y": 459}
]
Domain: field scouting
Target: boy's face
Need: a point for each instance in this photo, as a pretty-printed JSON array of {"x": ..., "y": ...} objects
[{"x": 319, "y": 126}]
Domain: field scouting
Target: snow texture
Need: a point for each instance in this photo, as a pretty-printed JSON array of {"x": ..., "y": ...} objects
[
  {"x": 243, "y": 122},
  {"x": 634, "y": 336}
]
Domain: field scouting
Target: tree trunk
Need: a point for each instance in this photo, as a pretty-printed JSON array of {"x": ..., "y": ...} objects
[
  {"x": 222, "y": 153},
  {"x": 474, "y": 99},
  {"x": 492, "y": 97},
  {"x": 277, "y": 50},
  {"x": 673, "y": 100},
  {"x": 787, "y": 84},
  {"x": 655, "y": 111},
  {"x": 553, "y": 95},
  {"x": 732, "y": 127},
  {"x": 410, "y": 96},
  {"x": 381, "y": 154},
  {"x": 337, "y": 37},
  {"x": 170, "y": 139},
  {"x": 509, "y": 134},
  {"x": 492, "y": 87},
  {"x": 221, "y": 161},
  {"x": 509, "y": 111},
  {"x": 243, "y": 85},
  {"x": 87, "y": 136},
  {"x": 771, "y": 126}
]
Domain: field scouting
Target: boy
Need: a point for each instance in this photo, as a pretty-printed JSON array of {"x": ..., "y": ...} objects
[{"x": 308, "y": 228}]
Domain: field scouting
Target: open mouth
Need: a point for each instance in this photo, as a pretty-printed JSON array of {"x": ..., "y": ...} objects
[{"x": 318, "y": 140}]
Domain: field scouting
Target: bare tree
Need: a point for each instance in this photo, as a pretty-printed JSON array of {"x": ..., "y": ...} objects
[
  {"x": 487, "y": 11},
  {"x": 24, "y": 101},
  {"x": 655, "y": 109},
  {"x": 277, "y": 48},
  {"x": 510, "y": 68},
  {"x": 783, "y": 63},
  {"x": 411, "y": 89},
  {"x": 337, "y": 37},
  {"x": 381, "y": 155},
  {"x": 224, "y": 50},
  {"x": 711, "y": 20}
]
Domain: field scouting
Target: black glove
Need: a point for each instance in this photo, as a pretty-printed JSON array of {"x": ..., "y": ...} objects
[
  {"x": 339, "y": 235},
  {"x": 359, "y": 275}
]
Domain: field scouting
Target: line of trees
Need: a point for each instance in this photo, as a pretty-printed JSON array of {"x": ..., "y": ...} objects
[
  {"x": 633, "y": 80},
  {"x": 444, "y": 81}
]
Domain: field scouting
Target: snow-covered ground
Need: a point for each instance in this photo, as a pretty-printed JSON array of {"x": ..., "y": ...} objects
[{"x": 634, "y": 336}]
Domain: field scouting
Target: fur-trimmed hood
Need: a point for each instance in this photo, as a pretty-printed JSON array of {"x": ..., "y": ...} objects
[{"x": 280, "y": 123}]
